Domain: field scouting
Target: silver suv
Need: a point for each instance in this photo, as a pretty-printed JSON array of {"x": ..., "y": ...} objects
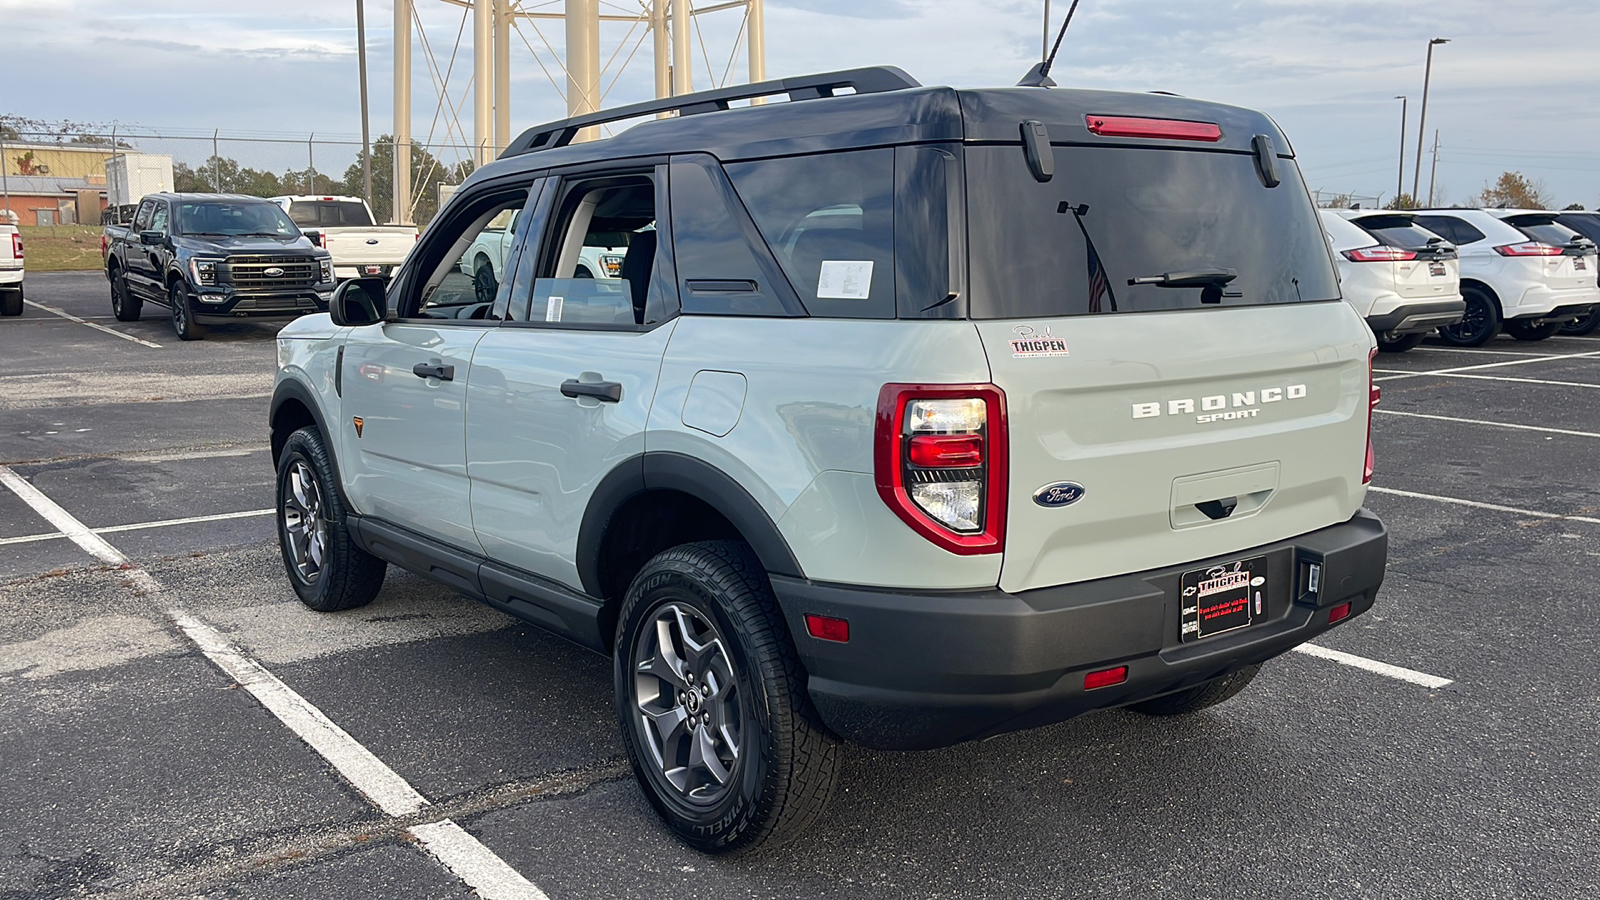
[{"x": 914, "y": 416}]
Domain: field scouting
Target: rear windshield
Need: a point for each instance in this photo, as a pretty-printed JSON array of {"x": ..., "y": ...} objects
[
  {"x": 224, "y": 217},
  {"x": 1398, "y": 231},
  {"x": 1134, "y": 230},
  {"x": 1586, "y": 224},
  {"x": 1545, "y": 229},
  {"x": 326, "y": 213}
]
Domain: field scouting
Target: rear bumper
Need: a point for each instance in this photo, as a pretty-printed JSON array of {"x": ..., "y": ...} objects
[
  {"x": 1541, "y": 304},
  {"x": 11, "y": 277},
  {"x": 1417, "y": 317},
  {"x": 931, "y": 669}
]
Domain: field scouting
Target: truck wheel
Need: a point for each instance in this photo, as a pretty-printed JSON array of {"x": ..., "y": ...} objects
[
  {"x": 1524, "y": 331},
  {"x": 1583, "y": 326},
  {"x": 1199, "y": 697},
  {"x": 712, "y": 703},
  {"x": 484, "y": 284},
  {"x": 182, "y": 318},
  {"x": 1399, "y": 344},
  {"x": 11, "y": 302},
  {"x": 124, "y": 305},
  {"x": 328, "y": 571},
  {"x": 1479, "y": 323}
]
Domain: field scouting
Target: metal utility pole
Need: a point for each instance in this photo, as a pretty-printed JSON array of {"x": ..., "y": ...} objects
[
  {"x": 1422, "y": 122},
  {"x": 663, "y": 49},
  {"x": 756, "y": 42},
  {"x": 583, "y": 61},
  {"x": 682, "y": 71},
  {"x": 1435, "y": 172},
  {"x": 1044, "y": 47},
  {"x": 482, "y": 80},
  {"x": 311, "y": 163},
  {"x": 1400, "y": 177},
  {"x": 502, "y": 76},
  {"x": 366, "y": 119},
  {"x": 216, "y": 164},
  {"x": 5, "y": 183},
  {"x": 401, "y": 214}
]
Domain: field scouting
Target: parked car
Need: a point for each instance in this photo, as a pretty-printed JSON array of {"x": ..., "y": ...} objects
[
  {"x": 1525, "y": 286},
  {"x": 600, "y": 257},
  {"x": 818, "y": 463},
  {"x": 214, "y": 258},
  {"x": 1588, "y": 225},
  {"x": 11, "y": 271},
  {"x": 345, "y": 227},
  {"x": 1403, "y": 279}
]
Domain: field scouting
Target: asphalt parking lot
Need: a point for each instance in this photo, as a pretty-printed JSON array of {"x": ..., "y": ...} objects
[{"x": 1445, "y": 748}]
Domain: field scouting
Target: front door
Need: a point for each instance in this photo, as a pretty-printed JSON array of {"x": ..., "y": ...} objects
[{"x": 406, "y": 382}]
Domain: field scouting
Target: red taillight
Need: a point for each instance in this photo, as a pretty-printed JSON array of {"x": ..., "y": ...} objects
[
  {"x": 1374, "y": 394},
  {"x": 1171, "y": 129},
  {"x": 940, "y": 462},
  {"x": 1339, "y": 613},
  {"x": 827, "y": 628},
  {"x": 16, "y": 244},
  {"x": 1379, "y": 254},
  {"x": 1530, "y": 248},
  {"x": 1105, "y": 678}
]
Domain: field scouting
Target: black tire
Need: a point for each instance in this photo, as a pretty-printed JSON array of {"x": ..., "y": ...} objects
[
  {"x": 124, "y": 305},
  {"x": 182, "y": 318},
  {"x": 1399, "y": 344},
  {"x": 11, "y": 302},
  {"x": 583, "y": 272},
  {"x": 1479, "y": 323},
  {"x": 311, "y": 509},
  {"x": 484, "y": 284},
  {"x": 750, "y": 701},
  {"x": 1583, "y": 326},
  {"x": 1526, "y": 331},
  {"x": 1199, "y": 697}
]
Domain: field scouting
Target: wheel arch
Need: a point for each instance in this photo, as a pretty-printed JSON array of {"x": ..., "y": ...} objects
[
  {"x": 294, "y": 406},
  {"x": 1487, "y": 291}
]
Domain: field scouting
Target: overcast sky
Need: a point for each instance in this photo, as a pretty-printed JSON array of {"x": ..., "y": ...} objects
[{"x": 1516, "y": 89}]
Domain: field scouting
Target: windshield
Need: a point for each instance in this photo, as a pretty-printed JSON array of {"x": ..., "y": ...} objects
[
  {"x": 329, "y": 213},
  {"x": 234, "y": 217},
  {"x": 1399, "y": 231},
  {"x": 1134, "y": 230}
]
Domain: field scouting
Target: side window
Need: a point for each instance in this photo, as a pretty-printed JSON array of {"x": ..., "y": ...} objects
[
  {"x": 598, "y": 258},
  {"x": 722, "y": 261},
  {"x": 141, "y": 220},
  {"x": 466, "y": 258},
  {"x": 829, "y": 219},
  {"x": 158, "y": 220}
]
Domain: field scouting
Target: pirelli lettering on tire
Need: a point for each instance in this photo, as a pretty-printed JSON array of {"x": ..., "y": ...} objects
[{"x": 1221, "y": 407}]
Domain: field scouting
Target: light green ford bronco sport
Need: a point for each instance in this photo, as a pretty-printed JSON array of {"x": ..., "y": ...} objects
[{"x": 914, "y": 416}]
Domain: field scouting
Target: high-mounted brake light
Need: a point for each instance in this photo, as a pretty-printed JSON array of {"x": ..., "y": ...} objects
[
  {"x": 1374, "y": 394},
  {"x": 1379, "y": 253},
  {"x": 940, "y": 462},
  {"x": 1530, "y": 248},
  {"x": 1171, "y": 129}
]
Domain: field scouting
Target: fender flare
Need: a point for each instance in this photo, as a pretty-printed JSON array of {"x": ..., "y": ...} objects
[
  {"x": 686, "y": 475},
  {"x": 293, "y": 389}
]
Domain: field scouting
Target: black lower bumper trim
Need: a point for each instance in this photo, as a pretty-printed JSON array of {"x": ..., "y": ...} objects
[
  {"x": 925, "y": 670},
  {"x": 1570, "y": 313},
  {"x": 1417, "y": 317}
]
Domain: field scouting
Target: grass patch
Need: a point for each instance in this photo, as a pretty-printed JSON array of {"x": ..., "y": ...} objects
[{"x": 61, "y": 248}]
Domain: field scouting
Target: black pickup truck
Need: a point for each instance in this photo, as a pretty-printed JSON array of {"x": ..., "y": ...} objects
[{"x": 212, "y": 259}]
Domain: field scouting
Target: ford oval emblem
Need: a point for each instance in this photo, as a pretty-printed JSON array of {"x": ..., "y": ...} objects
[
  {"x": 273, "y": 272},
  {"x": 372, "y": 242},
  {"x": 1062, "y": 493}
]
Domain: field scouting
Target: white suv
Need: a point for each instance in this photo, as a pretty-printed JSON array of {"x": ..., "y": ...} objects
[
  {"x": 1508, "y": 278},
  {"x": 1403, "y": 279}
]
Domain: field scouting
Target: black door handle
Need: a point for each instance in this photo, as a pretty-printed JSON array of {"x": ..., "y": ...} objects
[
  {"x": 609, "y": 391},
  {"x": 433, "y": 370}
]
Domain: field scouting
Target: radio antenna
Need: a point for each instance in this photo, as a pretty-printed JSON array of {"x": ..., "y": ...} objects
[{"x": 1039, "y": 75}]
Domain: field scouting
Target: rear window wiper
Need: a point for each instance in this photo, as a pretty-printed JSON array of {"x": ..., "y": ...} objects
[{"x": 1214, "y": 277}]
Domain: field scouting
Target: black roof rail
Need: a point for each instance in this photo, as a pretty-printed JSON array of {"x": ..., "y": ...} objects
[{"x": 872, "y": 80}]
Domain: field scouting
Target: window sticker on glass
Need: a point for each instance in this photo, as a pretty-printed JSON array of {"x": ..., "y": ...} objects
[
  {"x": 845, "y": 280},
  {"x": 552, "y": 312}
]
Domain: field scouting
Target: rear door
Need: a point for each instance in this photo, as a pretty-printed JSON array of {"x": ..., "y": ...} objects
[
  {"x": 1217, "y": 403},
  {"x": 136, "y": 256}
]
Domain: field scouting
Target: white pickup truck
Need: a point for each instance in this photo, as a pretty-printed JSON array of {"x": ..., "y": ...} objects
[
  {"x": 345, "y": 228},
  {"x": 10, "y": 271},
  {"x": 600, "y": 256}
]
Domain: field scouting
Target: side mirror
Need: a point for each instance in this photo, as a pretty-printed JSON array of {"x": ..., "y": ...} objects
[
  {"x": 359, "y": 301},
  {"x": 151, "y": 237}
]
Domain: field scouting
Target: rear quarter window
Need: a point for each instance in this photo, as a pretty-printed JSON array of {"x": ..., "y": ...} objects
[
  {"x": 1455, "y": 230},
  {"x": 1398, "y": 231}
]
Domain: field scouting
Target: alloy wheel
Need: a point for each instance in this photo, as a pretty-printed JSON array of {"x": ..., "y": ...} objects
[
  {"x": 302, "y": 522},
  {"x": 688, "y": 708}
]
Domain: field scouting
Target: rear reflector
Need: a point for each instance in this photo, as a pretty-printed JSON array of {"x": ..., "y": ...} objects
[
  {"x": 1105, "y": 678},
  {"x": 945, "y": 451},
  {"x": 1339, "y": 613},
  {"x": 1379, "y": 254},
  {"x": 827, "y": 628},
  {"x": 1171, "y": 129},
  {"x": 1374, "y": 396}
]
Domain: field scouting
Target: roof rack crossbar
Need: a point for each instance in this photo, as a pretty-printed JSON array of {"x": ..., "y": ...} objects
[{"x": 872, "y": 80}]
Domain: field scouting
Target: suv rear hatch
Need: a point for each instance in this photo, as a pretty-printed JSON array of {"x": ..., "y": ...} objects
[
  {"x": 1168, "y": 333},
  {"x": 1575, "y": 267},
  {"x": 1432, "y": 271}
]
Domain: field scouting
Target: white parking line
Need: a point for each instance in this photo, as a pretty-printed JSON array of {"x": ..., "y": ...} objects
[
  {"x": 140, "y": 526},
  {"x": 1579, "y": 384},
  {"x": 1432, "y": 682},
  {"x": 95, "y": 325},
  {"x": 1475, "y": 504},
  {"x": 1494, "y": 365},
  {"x": 1539, "y": 428},
  {"x": 1476, "y": 351},
  {"x": 476, "y": 865}
]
